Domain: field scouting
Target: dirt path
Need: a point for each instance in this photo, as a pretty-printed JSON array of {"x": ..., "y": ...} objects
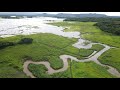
[{"x": 93, "y": 57}]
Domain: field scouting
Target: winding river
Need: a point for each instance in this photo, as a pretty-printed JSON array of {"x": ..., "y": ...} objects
[
  {"x": 93, "y": 57},
  {"x": 26, "y": 26},
  {"x": 80, "y": 44}
]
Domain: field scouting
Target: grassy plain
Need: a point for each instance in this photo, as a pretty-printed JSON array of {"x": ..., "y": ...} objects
[
  {"x": 90, "y": 32},
  {"x": 75, "y": 70},
  {"x": 48, "y": 47}
]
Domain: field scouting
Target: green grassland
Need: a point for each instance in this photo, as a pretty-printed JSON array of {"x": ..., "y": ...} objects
[
  {"x": 75, "y": 70},
  {"x": 40, "y": 72},
  {"x": 111, "y": 57},
  {"x": 48, "y": 47},
  {"x": 45, "y": 47},
  {"x": 89, "y": 70},
  {"x": 8, "y": 71},
  {"x": 90, "y": 32}
]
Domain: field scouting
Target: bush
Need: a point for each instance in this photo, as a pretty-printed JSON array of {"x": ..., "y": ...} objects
[
  {"x": 6, "y": 44},
  {"x": 25, "y": 41},
  {"x": 27, "y": 57}
]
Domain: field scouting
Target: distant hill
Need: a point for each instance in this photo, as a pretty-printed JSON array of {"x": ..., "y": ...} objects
[
  {"x": 91, "y": 15},
  {"x": 80, "y": 15},
  {"x": 60, "y": 15}
]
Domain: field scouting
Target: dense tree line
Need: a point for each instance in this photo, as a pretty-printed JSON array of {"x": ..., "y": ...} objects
[
  {"x": 93, "y": 19},
  {"x": 111, "y": 27}
]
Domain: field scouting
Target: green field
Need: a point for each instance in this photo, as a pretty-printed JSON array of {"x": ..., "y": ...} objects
[
  {"x": 45, "y": 47},
  {"x": 94, "y": 34},
  {"x": 48, "y": 47},
  {"x": 89, "y": 70},
  {"x": 75, "y": 70},
  {"x": 111, "y": 57},
  {"x": 91, "y": 32},
  {"x": 40, "y": 72}
]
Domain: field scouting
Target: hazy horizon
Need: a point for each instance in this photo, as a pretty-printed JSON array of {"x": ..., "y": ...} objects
[{"x": 106, "y": 13}]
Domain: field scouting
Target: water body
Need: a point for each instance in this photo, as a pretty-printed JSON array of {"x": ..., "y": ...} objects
[{"x": 26, "y": 26}]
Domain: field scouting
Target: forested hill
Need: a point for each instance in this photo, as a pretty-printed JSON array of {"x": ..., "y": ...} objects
[
  {"x": 60, "y": 15},
  {"x": 79, "y": 15}
]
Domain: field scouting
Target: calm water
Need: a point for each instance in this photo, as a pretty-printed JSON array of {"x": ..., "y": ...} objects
[{"x": 26, "y": 26}]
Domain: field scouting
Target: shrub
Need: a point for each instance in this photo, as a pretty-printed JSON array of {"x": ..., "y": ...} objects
[
  {"x": 25, "y": 41},
  {"x": 6, "y": 44},
  {"x": 27, "y": 57}
]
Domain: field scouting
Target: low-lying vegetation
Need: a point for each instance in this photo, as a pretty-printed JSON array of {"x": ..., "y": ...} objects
[
  {"x": 111, "y": 57},
  {"x": 25, "y": 41},
  {"x": 48, "y": 47},
  {"x": 38, "y": 70},
  {"x": 93, "y": 33},
  {"x": 44, "y": 47},
  {"x": 75, "y": 70},
  {"x": 89, "y": 70},
  {"x": 6, "y": 44}
]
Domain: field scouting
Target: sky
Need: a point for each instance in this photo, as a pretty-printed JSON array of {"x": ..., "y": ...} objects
[{"x": 107, "y": 13}]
